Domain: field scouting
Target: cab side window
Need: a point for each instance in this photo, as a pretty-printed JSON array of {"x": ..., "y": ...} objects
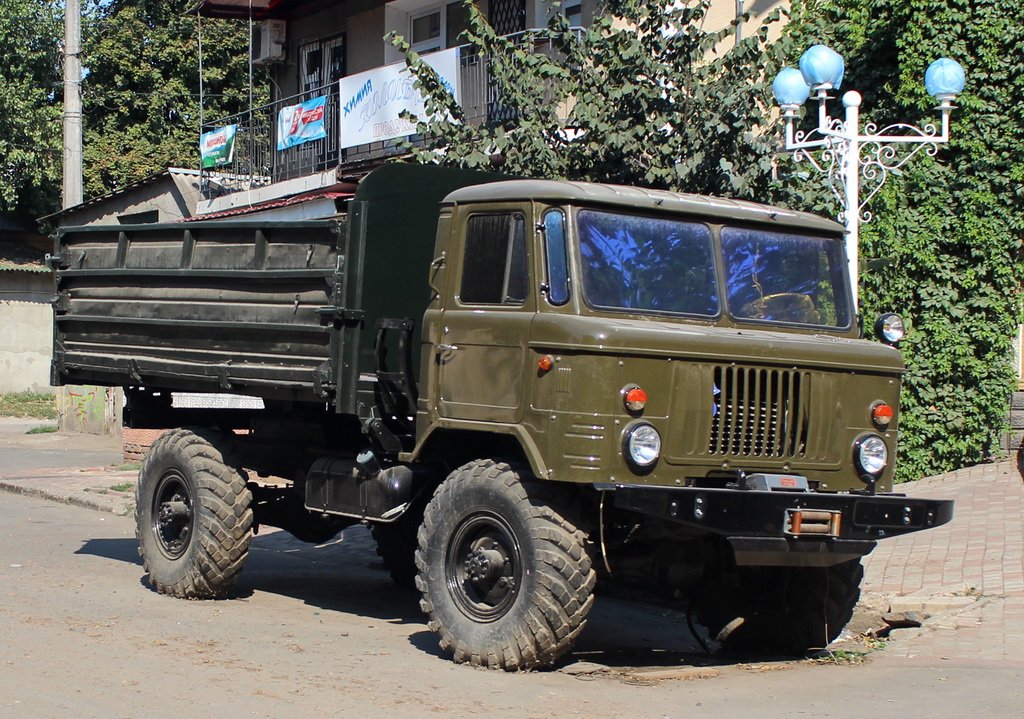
[
  {"x": 558, "y": 266},
  {"x": 494, "y": 270}
]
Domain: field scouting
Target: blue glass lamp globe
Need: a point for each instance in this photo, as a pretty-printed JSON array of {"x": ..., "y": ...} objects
[
  {"x": 944, "y": 79},
  {"x": 789, "y": 87},
  {"x": 822, "y": 66}
]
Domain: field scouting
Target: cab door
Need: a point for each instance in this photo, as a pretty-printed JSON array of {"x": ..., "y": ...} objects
[{"x": 485, "y": 323}]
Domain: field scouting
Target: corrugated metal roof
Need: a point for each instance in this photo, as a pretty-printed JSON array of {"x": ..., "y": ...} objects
[
  {"x": 169, "y": 172},
  {"x": 250, "y": 209},
  {"x": 7, "y": 225},
  {"x": 17, "y": 256}
]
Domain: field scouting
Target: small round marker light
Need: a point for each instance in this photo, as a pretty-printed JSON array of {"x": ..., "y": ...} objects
[
  {"x": 635, "y": 398},
  {"x": 545, "y": 363}
]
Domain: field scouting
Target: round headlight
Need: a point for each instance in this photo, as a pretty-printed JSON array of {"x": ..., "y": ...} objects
[
  {"x": 890, "y": 328},
  {"x": 642, "y": 445},
  {"x": 871, "y": 455}
]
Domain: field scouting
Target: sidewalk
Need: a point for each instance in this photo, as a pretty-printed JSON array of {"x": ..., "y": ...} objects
[
  {"x": 968, "y": 575},
  {"x": 979, "y": 554},
  {"x": 80, "y": 469}
]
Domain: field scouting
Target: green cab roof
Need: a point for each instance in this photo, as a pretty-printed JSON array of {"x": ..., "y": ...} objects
[{"x": 633, "y": 199}]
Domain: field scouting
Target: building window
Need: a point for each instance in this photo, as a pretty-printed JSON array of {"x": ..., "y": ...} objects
[
  {"x": 573, "y": 11},
  {"x": 322, "y": 62},
  {"x": 438, "y": 28}
]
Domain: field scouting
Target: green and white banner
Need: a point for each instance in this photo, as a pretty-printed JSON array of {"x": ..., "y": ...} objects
[{"x": 217, "y": 148}]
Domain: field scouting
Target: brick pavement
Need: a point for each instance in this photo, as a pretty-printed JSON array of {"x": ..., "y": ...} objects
[
  {"x": 981, "y": 552},
  {"x": 983, "y": 547}
]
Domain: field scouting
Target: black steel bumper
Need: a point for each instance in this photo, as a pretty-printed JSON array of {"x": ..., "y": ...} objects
[{"x": 788, "y": 528}]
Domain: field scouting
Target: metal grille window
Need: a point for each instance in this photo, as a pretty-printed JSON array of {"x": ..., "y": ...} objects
[
  {"x": 322, "y": 62},
  {"x": 507, "y": 16}
]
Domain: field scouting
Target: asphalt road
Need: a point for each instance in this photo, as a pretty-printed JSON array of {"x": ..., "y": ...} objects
[{"x": 320, "y": 631}]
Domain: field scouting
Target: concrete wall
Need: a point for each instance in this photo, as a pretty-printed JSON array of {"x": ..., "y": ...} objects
[
  {"x": 93, "y": 410},
  {"x": 26, "y": 339}
]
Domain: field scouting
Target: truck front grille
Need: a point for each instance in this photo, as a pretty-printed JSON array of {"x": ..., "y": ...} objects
[{"x": 760, "y": 412}]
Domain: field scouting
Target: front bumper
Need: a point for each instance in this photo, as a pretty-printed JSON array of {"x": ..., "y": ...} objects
[{"x": 788, "y": 528}]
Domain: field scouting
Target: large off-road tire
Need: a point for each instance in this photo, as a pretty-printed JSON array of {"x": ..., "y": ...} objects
[
  {"x": 503, "y": 570},
  {"x": 780, "y": 610},
  {"x": 192, "y": 514}
]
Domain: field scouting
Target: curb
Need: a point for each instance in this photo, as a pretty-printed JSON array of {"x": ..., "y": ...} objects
[{"x": 118, "y": 506}]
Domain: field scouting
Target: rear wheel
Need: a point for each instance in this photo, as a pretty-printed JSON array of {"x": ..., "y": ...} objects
[
  {"x": 786, "y": 610},
  {"x": 396, "y": 544},
  {"x": 505, "y": 577},
  {"x": 192, "y": 514}
]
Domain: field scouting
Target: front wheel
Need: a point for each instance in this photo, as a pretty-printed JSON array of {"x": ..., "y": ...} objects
[
  {"x": 785, "y": 610},
  {"x": 504, "y": 573},
  {"x": 193, "y": 514}
]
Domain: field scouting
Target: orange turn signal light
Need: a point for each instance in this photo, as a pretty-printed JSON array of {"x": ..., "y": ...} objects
[
  {"x": 545, "y": 363},
  {"x": 882, "y": 414},
  {"x": 635, "y": 399}
]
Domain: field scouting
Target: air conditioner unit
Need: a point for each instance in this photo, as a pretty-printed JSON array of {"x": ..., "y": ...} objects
[{"x": 268, "y": 42}]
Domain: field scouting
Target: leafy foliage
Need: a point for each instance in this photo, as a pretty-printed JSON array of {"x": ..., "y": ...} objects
[
  {"x": 141, "y": 95},
  {"x": 30, "y": 109},
  {"x": 645, "y": 96},
  {"x": 951, "y": 227}
]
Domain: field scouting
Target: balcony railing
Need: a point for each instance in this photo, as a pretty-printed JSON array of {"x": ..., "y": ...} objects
[{"x": 256, "y": 161}]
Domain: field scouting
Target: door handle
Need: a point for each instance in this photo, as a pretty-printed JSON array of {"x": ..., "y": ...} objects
[{"x": 446, "y": 348}]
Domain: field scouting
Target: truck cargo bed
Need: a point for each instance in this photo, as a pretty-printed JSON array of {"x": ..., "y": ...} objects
[{"x": 214, "y": 306}]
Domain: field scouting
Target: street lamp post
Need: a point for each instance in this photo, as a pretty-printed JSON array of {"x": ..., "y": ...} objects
[{"x": 847, "y": 153}]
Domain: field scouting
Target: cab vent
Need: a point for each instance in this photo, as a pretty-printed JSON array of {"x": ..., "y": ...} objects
[{"x": 759, "y": 412}]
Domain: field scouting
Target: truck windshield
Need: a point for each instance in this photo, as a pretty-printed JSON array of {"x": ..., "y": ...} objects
[
  {"x": 646, "y": 263},
  {"x": 788, "y": 278}
]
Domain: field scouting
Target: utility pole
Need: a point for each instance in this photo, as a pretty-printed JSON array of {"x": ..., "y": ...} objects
[{"x": 72, "y": 104}]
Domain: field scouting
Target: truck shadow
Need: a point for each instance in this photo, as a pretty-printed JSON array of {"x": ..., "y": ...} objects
[{"x": 346, "y": 576}]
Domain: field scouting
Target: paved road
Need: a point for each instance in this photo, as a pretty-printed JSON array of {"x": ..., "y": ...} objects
[
  {"x": 320, "y": 631},
  {"x": 318, "y": 628}
]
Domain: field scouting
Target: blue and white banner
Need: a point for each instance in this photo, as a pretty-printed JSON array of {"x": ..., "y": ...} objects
[
  {"x": 372, "y": 102},
  {"x": 301, "y": 123}
]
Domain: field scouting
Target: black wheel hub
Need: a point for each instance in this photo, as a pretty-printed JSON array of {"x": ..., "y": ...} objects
[
  {"x": 172, "y": 514},
  {"x": 483, "y": 567}
]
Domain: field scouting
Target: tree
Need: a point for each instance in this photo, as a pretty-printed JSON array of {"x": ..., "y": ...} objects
[
  {"x": 141, "y": 94},
  {"x": 645, "y": 96},
  {"x": 30, "y": 109},
  {"x": 951, "y": 227}
]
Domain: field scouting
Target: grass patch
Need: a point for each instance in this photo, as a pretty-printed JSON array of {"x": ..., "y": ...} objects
[
  {"x": 124, "y": 487},
  {"x": 839, "y": 657},
  {"x": 130, "y": 467},
  {"x": 43, "y": 429},
  {"x": 28, "y": 405}
]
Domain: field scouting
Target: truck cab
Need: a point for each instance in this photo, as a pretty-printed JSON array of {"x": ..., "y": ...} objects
[{"x": 653, "y": 338}]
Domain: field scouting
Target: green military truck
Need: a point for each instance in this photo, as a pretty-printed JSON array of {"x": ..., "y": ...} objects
[{"x": 522, "y": 386}]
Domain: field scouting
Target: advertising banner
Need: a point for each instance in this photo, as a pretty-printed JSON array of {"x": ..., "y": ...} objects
[
  {"x": 217, "y": 148},
  {"x": 372, "y": 101},
  {"x": 301, "y": 123}
]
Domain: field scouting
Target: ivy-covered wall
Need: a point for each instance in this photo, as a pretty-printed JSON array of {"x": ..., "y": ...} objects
[
  {"x": 650, "y": 97},
  {"x": 950, "y": 228}
]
